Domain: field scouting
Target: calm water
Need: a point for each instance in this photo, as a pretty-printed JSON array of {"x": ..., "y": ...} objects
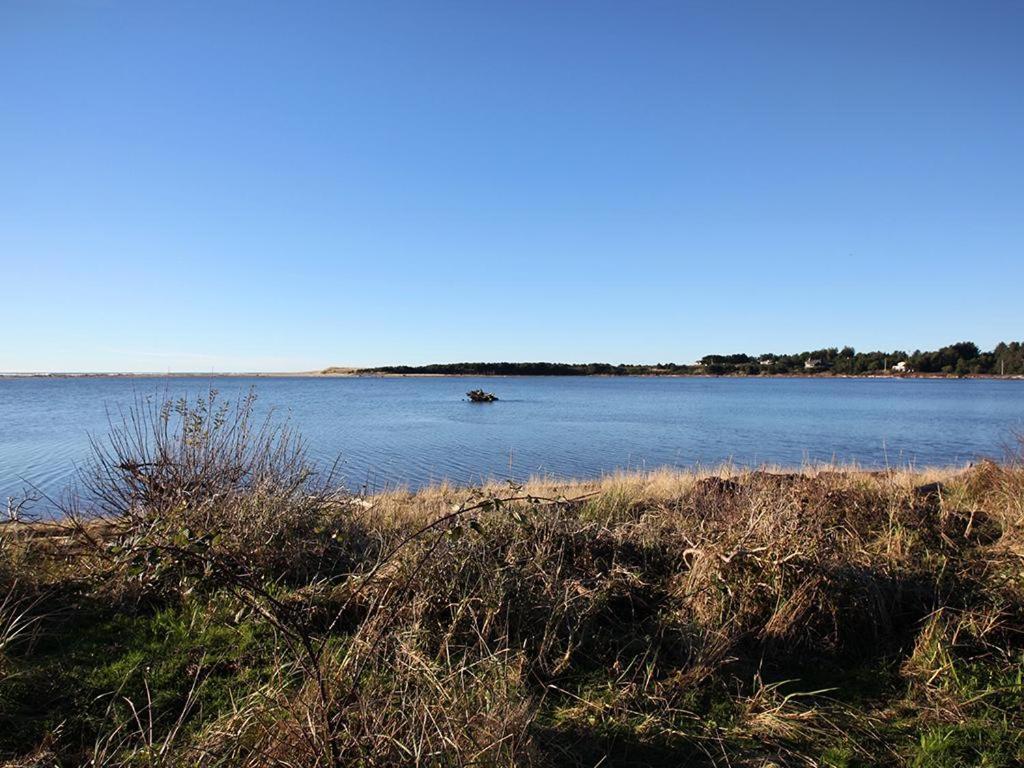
[{"x": 415, "y": 431}]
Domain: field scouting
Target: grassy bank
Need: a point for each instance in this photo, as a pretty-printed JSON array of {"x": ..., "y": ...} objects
[{"x": 227, "y": 610}]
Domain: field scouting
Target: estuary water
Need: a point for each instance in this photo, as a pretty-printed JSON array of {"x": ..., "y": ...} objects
[{"x": 388, "y": 432}]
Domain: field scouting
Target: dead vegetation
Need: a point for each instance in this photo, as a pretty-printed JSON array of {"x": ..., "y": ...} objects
[{"x": 207, "y": 602}]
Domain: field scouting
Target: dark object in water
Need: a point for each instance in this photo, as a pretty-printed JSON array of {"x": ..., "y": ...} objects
[{"x": 479, "y": 396}]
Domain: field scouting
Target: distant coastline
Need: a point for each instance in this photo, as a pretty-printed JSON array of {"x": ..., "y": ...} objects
[
  {"x": 878, "y": 376},
  {"x": 957, "y": 361},
  {"x": 364, "y": 374}
]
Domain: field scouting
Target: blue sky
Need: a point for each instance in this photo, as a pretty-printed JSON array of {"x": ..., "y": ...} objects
[{"x": 285, "y": 186}]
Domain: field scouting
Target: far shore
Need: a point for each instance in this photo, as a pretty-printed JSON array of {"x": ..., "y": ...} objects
[{"x": 363, "y": 374}]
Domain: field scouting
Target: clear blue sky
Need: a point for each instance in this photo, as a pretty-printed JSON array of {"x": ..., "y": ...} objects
[{"x": 285, "y": 186}]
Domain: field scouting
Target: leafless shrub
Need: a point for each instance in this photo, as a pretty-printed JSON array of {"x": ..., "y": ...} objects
[
  {"x": 166, "y": 453},
  {"x": 190, "y": 491}
]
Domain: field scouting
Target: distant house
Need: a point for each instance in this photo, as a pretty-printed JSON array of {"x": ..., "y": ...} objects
[
  {"x": 813, "y": 364},
  {"x": 766, "y": 361},
  {"x": 900, "y": 367}
]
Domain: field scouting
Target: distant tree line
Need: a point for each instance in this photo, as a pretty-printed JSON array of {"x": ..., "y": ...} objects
[
  {"x": 515, "y": 369},
  {"x": 960, "y": 359}
]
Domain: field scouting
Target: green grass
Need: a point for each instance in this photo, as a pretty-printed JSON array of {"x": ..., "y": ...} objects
[{"x": 90, "y": 663}]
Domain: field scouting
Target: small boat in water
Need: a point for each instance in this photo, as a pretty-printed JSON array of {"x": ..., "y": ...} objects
[{"x": 479, "y": 396}]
